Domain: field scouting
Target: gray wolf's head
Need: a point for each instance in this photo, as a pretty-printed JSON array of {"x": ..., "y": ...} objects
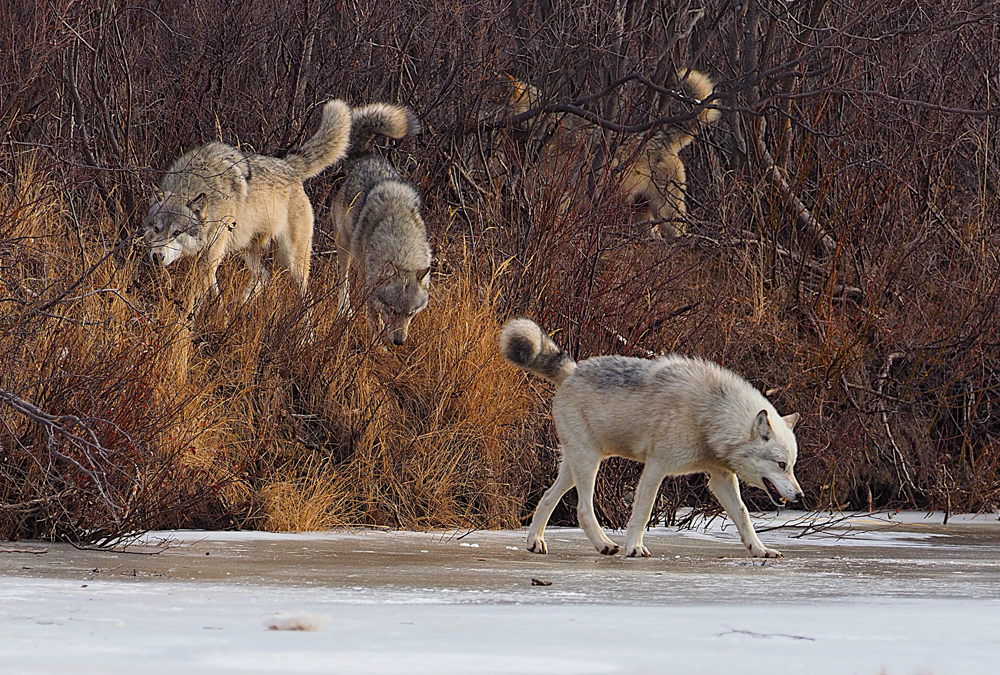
[
  {"x": 767, "y": 459},
  {"x": 401, "y": 295},
  {"x": 173, "y": 226}
]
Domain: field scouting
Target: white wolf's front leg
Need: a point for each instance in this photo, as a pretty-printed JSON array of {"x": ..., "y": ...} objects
[
  {"x": 726, "y": 488},
  {"x": 642, "y": 506}
]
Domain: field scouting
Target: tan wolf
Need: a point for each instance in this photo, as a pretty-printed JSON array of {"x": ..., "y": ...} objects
[
  {"x": 216, "y": 200},
  {"x": 376, "y": 215},
  {"x": 652, "y": 176},
  {"x": 676, "y": 414}
]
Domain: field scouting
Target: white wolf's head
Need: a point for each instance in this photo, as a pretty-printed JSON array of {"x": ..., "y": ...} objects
[
  {"x": 767, "y": 459},
  {"x": 398, "y": 298},
  {"x": 173, "y": 226}
]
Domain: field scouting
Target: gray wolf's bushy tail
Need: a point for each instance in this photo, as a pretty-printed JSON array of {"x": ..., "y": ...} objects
[
  {"x": 699, "y": 86},
  {"x": 327, "y": 146},
  {"x": 524, "y": 344},
  {"x": 380, "y": 119}
]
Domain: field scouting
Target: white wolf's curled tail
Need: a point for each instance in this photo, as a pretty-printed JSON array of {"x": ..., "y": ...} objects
[
  {"x": 524, "y": 344},
  {"x": 327, "y": 146},
  {"x": 380, "y": 119},
  {"x": 699, "y": 86}
]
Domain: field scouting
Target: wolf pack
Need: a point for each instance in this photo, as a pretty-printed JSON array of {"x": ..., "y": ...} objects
[{"x": 675, "y": 414}]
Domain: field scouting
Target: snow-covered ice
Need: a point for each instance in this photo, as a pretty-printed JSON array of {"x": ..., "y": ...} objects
[{"x": 863, "y": 595}]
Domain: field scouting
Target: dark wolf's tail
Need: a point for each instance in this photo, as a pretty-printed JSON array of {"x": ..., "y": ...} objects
[
  {"x": 327, "y": 146},
  {"x": 380, "y": 119},
  {"x": 699, "y": 86},
  {"x": 524, "y": 344}
]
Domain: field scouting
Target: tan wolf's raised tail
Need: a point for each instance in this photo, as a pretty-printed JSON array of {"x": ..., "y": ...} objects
[
  {"x": 658, "y": 180},
  {"x": 525, "y": 345},
  {"x": 699, "y": 86},
  {"x": 327, "y": 146}
]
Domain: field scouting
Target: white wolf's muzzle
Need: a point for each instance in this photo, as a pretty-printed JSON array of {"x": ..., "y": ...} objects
[{"x": 779, "y": 497}]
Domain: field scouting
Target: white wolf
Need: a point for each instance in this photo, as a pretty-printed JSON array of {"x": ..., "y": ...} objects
[
  {"x": 377, "y": 218},
  {"x": 678, "y": 415},
  {"x": 215, "y": 200}
]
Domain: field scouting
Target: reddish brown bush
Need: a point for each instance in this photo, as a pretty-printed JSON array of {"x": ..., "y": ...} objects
[{"x": 843, "y": 254}]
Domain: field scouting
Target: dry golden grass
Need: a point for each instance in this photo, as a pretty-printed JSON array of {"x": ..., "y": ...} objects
[
  {"x": 425, "y": 436},
  {"x": 245, "y": 420},
  {"x": 265, "y": 428}
]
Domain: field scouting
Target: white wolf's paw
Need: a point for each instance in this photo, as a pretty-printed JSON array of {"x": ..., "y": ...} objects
[
  {"x": 763, "y": 552},
  {"x": 639, "y": 551},
  {"x": 609, "y": 549},
  {"x": 537, "y": 546}
]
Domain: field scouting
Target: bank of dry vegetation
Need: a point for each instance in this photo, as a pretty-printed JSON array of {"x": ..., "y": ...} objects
[{"x": 842, "y": 254}]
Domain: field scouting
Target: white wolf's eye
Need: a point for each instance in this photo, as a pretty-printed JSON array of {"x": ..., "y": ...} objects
[{"x": 782, "y": 465}]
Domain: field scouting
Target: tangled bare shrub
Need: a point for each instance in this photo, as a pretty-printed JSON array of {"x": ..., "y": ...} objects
[{"x": 842, "y": 254}]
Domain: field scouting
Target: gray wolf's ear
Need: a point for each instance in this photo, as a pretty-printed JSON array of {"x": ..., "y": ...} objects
[
  {"x": 158, "y": 195},
  {"x": 761, "y": 427},
  {"x": 791, "y": 420},
  {"x": 422, "y": 274},
  {"x": 198, "y": 203}
]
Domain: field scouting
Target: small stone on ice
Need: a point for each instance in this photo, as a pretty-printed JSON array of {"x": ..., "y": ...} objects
[{"x": 296, "y": 621}]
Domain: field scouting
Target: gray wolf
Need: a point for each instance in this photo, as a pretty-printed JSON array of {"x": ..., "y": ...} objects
[
  {"x": 376, "y": 215},
  {"x": 676, "y": 414},
  {"x": 651, "y": 175},
  {"x": 216, "y": 200}
]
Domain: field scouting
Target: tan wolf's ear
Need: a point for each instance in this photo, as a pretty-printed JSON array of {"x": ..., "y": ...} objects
[
  {"x": 158, "y": 195},
  {"x": 761, "y": 427},
  {"x": 198, "y": 203},
  {"x": 422, "y": 274},
  {"x": 791, "y": 420}
]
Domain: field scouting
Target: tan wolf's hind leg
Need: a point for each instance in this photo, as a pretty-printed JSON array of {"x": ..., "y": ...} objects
[
  {"x": 295, "y": 241},
  {"x": 564, "y": 483},
  {"x": 294, "y": 248},
  {"x": 253, "y": 257},
  {"x": 669, "y": 209}
]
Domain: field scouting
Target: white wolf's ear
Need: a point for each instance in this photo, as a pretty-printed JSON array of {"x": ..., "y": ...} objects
[
  {"x": 158, "y": 195},
  {"x": 791, "y": 420},
  {"x": 761, "y": 427},
  {"x": 422, "y": 274},
  {"x": 198, "y": 203}
]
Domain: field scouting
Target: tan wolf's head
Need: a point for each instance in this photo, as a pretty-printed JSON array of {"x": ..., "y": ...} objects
[
  {"x": 173, "y": 226},
  {"x": 400, "y": 296}
]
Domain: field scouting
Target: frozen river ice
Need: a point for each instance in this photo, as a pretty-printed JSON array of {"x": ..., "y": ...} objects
[{"x": 868, "y": 595}]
